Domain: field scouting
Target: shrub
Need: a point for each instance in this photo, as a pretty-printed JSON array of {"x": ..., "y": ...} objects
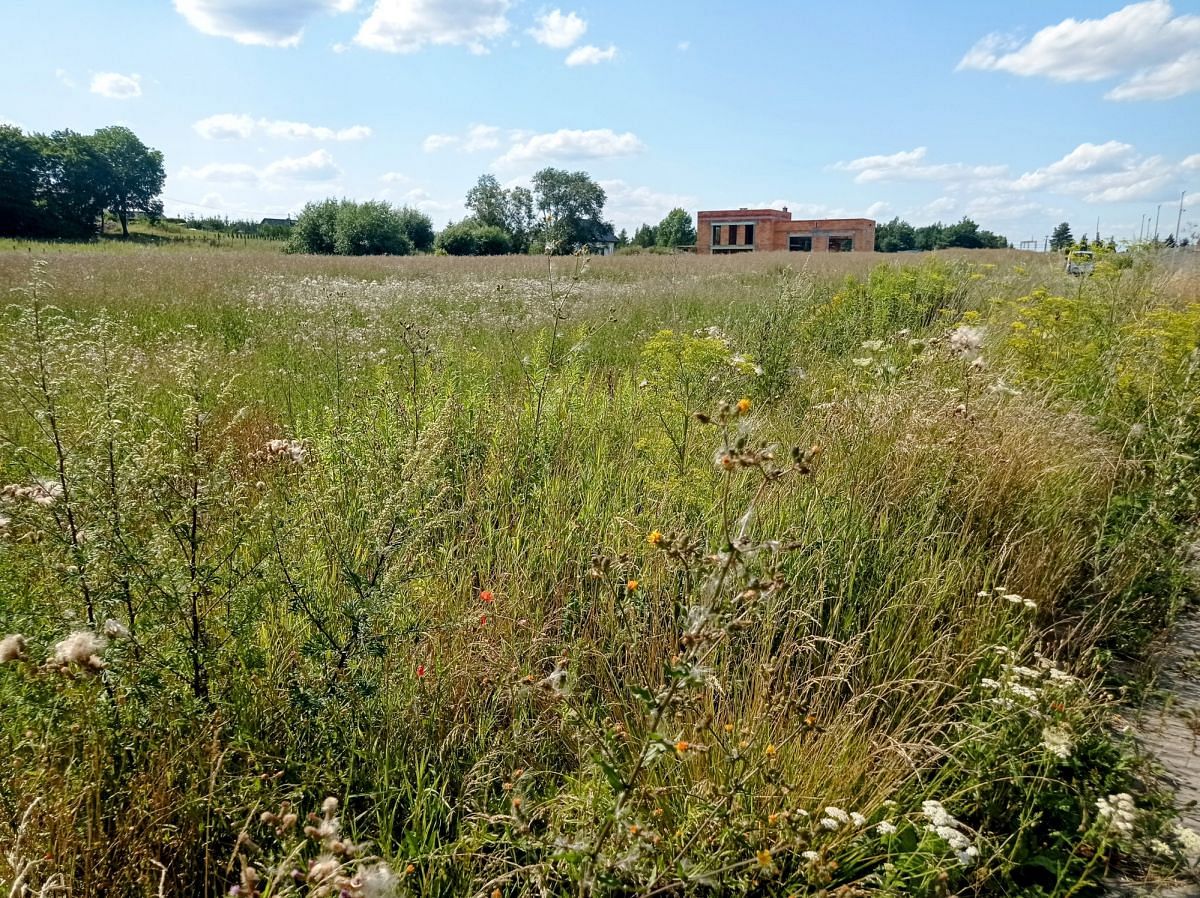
[{"x": 348, "y": 228}]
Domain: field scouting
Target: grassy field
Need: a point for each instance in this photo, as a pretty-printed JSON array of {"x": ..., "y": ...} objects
[{"x": 622, "y": 576}]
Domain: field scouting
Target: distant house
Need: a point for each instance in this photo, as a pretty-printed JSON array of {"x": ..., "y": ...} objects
[
  {"x": 604, "y": 243},
  {"x": 750, "y": 230},
  {"x": 276, "y": 223}
]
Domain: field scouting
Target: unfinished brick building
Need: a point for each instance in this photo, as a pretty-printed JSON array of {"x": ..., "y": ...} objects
[{"x": 765, "y": 230}]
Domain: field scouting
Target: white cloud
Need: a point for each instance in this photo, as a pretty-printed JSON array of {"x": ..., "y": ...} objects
[
  {"x": 266, "y": 23},
  {"x": 630, "y": 206},
  {"x": 558, "y": 31},
  {"x": 683, "y": 46},
  {"x": 405, "y": 26},
  {"x": 1110, "y": 172},
  {"x": 394, "y": 177},
  {"x": 1171, "y": 79},
  {"x": 64, "y": 78},
  {"x": 318, "y": 165},
  {"x": 116, "y": 86},
  {"x": 590, "y": 55},
  {"x": 876, "y": 209},
  {"x": 225, "y": 126},
  {"x": 435, "y": 142},
  {"x": 600, "y": 143},
  {"x": 481, "y": 137},
  {"x": 910, "y": 165},
  {"x": 1191, "y": 163},
  {"x": 1144, "y": 43},
  {"x": 477, "y": 137},
  {"x": 228, "y": 126}
]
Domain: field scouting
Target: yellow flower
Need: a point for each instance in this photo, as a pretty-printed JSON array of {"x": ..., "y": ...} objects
[
  {"x": 771, "y": 751},
  {"x": 743, "y": 406},
  {"x": 764, "y": 859},
  {"x": 681, "y": 746},
  {"x": 655, "y": 538},
  {"x": 632, "y": 585}
]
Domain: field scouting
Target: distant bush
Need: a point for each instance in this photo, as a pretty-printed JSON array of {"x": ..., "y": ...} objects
[
  {"x": 470, "y": 238},
  {"x": 347, "y": 228}
]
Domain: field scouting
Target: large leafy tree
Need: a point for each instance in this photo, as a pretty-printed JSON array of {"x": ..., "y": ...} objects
[
  {"x": 572, "y": 206},
  {"x": 895, "y": 236},
  {"x": 73, "y": 183},
  {"x": 645, "y": 236},
  {"x": 20, "y": 174},
  {"x": 510, "y": 210},
  {"x": 133, "y": 176},
  {"x": 676, "y": 229}
]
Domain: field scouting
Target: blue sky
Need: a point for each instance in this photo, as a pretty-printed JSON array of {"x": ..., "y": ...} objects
[{"x": 1017, "y": 114}]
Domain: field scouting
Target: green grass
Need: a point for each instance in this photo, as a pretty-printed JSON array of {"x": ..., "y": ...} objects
[{"x": 541, "y": 630}]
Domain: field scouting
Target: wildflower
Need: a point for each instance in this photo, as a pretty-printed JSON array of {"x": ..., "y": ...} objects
[
  {"x": 858, "y": 819},
  {"x": 12, "y": 648},
  {"x": 809, "y": 855},
  {"x": 483, "y": 620},
  {"x": 655, "y": 538},
  {"x": 420, "y": 671},
  {"x": 885, "y": 827},
  {"x": 632, "y": 585},
  {"x": 966, "y": 340},
  {"x": 83, "y": 648},
  {"x": 967, "y": 856},
  {"x": 1158, "y": 846},
  {"x": 1137, "y": 431},
  {"x": 114, "y": 629},
  {"x": 937, "y": 814},
  {"x": 1057, "y": 741},
  {"x": 323, "y": 868},
  {"x": 830, "y": 823},
  {"x": 872, "y": 345},
  {"x": 1119, "y": 812},
  {"x": 377, "y": 881},
  {"x": 764, "y": 859},
  {"x": 770, "y": 751},
  {"x": 681, "y": 746},
  {"x": 409, "y": 870},
  {"x": 862, "y": 362},
  {"x": 487, "y": 597},
  {"x": 1189, "y": 841},
  {"x": 743, "y": 406}
]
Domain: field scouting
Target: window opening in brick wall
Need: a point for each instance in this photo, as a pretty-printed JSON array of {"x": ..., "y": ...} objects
[
  {"x": 841, "y": 244},
  {"x": 733, "y": 235},
  {"x": 798, "y": 244}
]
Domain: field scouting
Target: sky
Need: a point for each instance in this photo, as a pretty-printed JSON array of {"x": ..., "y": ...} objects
[{"x": 1019, "y": 115}]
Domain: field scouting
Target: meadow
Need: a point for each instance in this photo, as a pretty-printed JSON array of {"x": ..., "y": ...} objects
[{"x": 653, "y": 575}]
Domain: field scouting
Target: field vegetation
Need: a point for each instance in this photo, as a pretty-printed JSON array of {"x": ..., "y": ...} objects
[{"x": 650, "y": 575}]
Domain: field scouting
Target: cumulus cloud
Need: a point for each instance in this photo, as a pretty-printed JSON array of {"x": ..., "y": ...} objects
[
  {"x": 557, "y": 30},
  {"x": 228, "y": 126},
  {"x": 1110, "y": 172},
  {"x": 589, "y": 55},
  {"x": 266, "y": 23},
  {"x": 64, "y": 78},
  {"x": 394, "y": 177},
  {"x": 566, "y": 143},
  {"x": 910, "y": 165},
  {"x": 1154, "y": 51},
  {"x": 629, "y": 206},
  {"x": 318, "y": 165},
  {"x": 478, "y": 137},
  {"x": 405, "y": 26},
  {"x": 116, "y": 86}
]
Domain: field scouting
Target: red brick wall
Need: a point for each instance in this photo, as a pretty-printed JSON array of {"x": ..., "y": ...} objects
[{"x": 772, "y": 227}]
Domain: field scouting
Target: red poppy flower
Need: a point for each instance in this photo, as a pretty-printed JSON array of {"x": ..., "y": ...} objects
[
  {"x": 486, "y": 596},
  {"x": 483, "y": 620},
  {"x": 420, "y": 670}
]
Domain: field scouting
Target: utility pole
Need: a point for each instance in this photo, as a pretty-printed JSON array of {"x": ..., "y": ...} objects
[
  {"x": 1179, "y": 219},
  {"x": 1141, "y": 227},
  {"x": 1156, "y": 214}
]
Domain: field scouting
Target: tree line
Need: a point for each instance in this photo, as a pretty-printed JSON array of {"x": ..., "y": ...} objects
[
  {"x": 61, "y": 184},
  {"x": 898, "y": 236}
]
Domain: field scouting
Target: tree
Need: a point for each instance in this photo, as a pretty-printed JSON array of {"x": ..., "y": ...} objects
[
  {"x": 571, "y": 204},
  {"x": 1170, "y": 241},
  {"x": 20, "y": 170},
  {"x": 676, "y": 229},
  {"x": 895, "y": 236},
  {"x": 73, "y": 183},
  {"x": 645, "y": 236},
  {"x": 471, "y": 238},
  {"x": 1060, "y": 238},
  {"x": 347, "y": 228},
  {"x": 417, "y": 226},
  {"x": 134, "y": 174},
  {"x": 1083, "y": 242},
  {"x": 509, "y": 210}
]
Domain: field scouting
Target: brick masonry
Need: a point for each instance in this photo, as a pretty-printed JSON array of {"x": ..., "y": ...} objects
[{"x": 773, "y": 228}]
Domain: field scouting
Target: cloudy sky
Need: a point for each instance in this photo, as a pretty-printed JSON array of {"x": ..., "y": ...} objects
[{"x": 1017, "y": 114}]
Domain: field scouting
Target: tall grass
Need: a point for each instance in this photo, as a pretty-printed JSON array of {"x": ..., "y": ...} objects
[{"x": 515, "y": 560}]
